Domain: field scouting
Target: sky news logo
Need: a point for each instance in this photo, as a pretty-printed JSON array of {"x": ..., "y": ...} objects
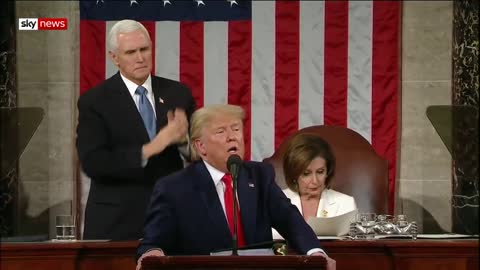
[{"x": 42, "y": 24}]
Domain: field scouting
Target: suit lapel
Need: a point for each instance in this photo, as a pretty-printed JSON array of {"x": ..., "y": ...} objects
[
  {"x": 161, "y": 107},
  {"x": 329, "y": 204},
  {"x": 247, "y": 193},
  {"x": 122, "y": 98},
  {"x": 205, "y": 187}
]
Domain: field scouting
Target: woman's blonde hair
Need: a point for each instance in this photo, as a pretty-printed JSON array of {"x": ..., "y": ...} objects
[{"x": 204, "y": 116}]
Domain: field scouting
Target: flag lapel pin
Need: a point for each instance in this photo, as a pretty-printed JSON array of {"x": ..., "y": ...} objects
[{"x": 251, "y": 184}]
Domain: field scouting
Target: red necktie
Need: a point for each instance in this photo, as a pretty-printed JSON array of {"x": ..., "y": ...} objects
[{"x": 228, "y": 196}]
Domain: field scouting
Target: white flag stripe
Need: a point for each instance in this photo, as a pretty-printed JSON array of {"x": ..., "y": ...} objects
[
  {"x": 215, "y": 62},
  {"x": 263, "y": 80},
  {"x": 110, "y": 68},
  {"x": 167, "y": 49},
  {"x": 359, "y": 100},
  {"x": 311, "y": 63}
]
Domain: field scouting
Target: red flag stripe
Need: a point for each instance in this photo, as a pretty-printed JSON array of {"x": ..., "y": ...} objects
[
  {"x": 336, "y": 63},
  {"x": 92, "y": 55},
  {"x": 385, "y": 71},
  {"x": 150, "y": 25},
  {"x": 240, "y": 72},
  {"x": 287, "y": 40},
  {"x": 191, "y": 58}
]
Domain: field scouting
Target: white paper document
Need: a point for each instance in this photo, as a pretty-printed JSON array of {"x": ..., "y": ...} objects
[
  {"x": 332, "y": 226},
  {"x": 429, "y": 236}
]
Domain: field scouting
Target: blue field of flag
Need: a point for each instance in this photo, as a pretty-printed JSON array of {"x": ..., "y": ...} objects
[{"x": 166, "y": 10}]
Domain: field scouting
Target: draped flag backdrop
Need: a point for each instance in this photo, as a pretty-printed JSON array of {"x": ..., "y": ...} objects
[{"x": 289, "y": 64}]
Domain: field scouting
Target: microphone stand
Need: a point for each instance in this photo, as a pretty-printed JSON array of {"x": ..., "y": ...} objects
[{"x": 235, "y": 206}]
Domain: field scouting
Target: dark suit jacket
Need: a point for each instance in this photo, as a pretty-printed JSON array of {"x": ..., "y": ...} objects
[
  {"x": 110, "y": 135},
  {"x": 185, "y": 216}
]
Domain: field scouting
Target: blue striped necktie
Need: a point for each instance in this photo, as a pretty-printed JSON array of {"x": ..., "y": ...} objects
[{"x": 146, "y": 111}]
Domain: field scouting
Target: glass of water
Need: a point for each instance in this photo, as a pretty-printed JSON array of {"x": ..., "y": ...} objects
[
  {"x": 65, "y": 225},
  {"x": 367, "y": 221}
]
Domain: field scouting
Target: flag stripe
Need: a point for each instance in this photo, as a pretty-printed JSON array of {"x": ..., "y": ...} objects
[
  {"x": 150, "y": 26},
  {"x": 191, "y": 58},
  {"x": 92, "y": 72},
  {"x": 311, "y": 90},
  {"x": 336, "y": 61},
  {"x": 287, "y": 39},
  {"x": 359, "y": 112},
  {"x": 239, "y": 71},
  {"x": 216, "y": 62},
  {"x": 263, "y": 83},
  {"x": 167, "y": 50},
  {"x": 385, "y": 85},
  {"x": 110, "y": 68}
]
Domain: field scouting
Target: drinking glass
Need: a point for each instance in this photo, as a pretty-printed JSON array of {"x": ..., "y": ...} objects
[
  {"x": 367, "y": 221},
  {"x": 65, "y": 225}
]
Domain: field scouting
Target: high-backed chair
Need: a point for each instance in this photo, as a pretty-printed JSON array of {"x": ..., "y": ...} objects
[{"x": 359, "y": 171}]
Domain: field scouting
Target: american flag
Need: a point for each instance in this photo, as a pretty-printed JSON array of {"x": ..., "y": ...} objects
[{"x": 289, "y": 64}]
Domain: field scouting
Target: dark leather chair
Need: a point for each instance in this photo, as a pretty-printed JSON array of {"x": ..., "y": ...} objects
[{"x": 359, "y": 172}]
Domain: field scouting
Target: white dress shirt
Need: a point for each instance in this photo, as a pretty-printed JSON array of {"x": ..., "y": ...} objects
[{"x": 219, "y": 184}]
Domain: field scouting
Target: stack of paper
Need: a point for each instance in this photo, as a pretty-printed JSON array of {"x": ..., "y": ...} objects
[{"x": 332, "y": 226}]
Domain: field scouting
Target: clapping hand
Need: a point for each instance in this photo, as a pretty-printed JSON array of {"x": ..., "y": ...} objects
[{"x": 177, "y": 125}]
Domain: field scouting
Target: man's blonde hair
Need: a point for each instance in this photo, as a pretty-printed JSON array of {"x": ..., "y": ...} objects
[{"x": 204, "y": 116}]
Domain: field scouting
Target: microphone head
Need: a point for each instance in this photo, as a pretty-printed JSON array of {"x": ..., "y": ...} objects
[{"x": 234, "y": 161}]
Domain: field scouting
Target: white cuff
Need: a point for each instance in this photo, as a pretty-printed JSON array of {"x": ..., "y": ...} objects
[{"x": 314, "y": 250}]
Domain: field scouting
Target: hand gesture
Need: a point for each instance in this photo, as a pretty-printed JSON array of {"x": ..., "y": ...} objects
[
  {"x": 331, "y": 263},
  {"x": 177, "y": 125},
  {"x": 150, "y": 253},
  {"x": 175, "y": 132}
]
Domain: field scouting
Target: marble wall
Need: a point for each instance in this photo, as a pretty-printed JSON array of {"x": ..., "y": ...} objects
[
  {"x": 48, "y": 65},
  {"x": 424, "y": 181},
  {"x": 8, "y": 99},
  {"x": 465, "y": 199}
]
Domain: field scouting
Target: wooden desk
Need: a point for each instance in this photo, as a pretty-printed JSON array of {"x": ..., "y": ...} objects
[
  {"x": 376, "y": 254},
  {"x": 68, "y": 256},
  {"x": 291, "y": 262},
  {"x": 404, "y": 254}
]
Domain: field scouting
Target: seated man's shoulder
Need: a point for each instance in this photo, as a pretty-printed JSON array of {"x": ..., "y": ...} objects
[
  {"x": 178, "y": 178},
  {"x": 258, "y": 165}
]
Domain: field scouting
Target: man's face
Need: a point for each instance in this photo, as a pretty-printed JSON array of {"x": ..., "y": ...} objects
[
  {"x": 220, "y": 139},
  {"x": 133, "y": 56}
]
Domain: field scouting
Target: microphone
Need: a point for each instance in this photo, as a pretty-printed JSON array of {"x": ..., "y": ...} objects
[{"x": 234, "y": 163}]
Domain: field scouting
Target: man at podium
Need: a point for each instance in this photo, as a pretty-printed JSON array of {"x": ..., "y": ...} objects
[{"x": 190, "y": 211}]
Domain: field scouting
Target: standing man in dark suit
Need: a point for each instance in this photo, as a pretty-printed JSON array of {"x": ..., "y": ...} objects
[
  {"x": 189, "y": 214},
  {"x": 128, "y": 133}
]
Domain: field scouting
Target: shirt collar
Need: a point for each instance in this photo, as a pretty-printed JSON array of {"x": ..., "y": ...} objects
[
  {"x": 133, "y": 86},
  {"x": 214, "y": 173}
]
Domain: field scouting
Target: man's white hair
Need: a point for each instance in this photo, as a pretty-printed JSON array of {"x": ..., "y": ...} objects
[{"x": 123, "y": 26}]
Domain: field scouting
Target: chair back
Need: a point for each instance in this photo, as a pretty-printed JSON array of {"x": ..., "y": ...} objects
[{"x": 359, "y": 171}]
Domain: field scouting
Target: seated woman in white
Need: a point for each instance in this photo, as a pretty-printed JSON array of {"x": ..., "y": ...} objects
[{"x": 309, "y": 165}]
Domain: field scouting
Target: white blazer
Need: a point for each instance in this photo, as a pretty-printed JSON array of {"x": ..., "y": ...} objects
[{"x": 332, "y": 203}]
